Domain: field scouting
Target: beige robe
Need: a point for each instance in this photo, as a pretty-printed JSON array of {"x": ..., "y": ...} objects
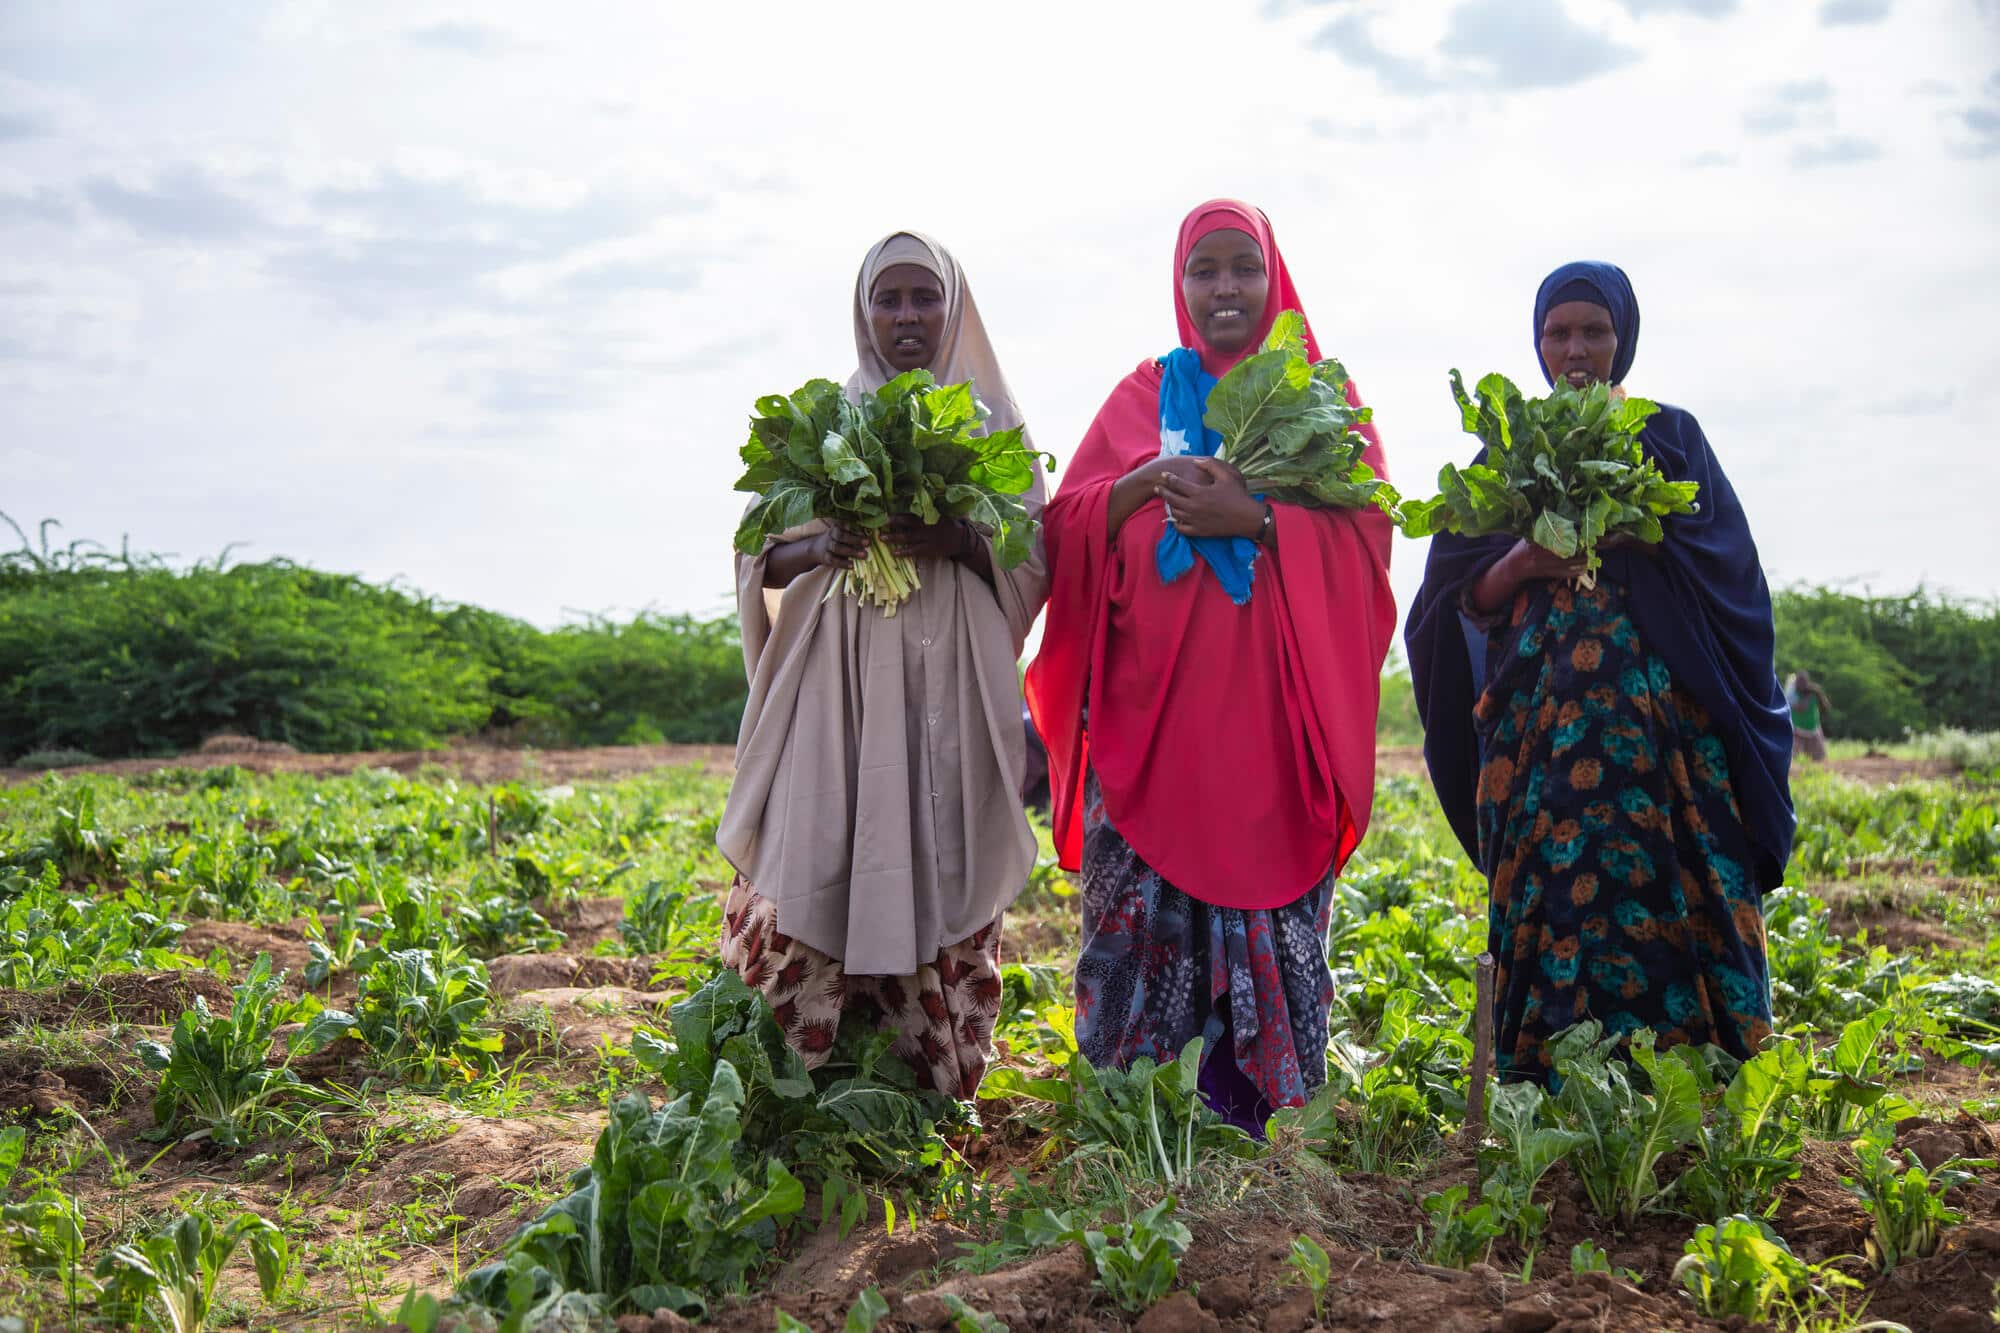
[{"x": 877, "y": 799}]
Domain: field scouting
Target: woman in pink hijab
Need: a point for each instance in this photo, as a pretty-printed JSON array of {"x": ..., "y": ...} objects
[{"x": 1211, "y": 734}]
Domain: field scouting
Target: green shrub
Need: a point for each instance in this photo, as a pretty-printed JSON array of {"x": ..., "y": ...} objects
[
  {"x": 42, "y": 760},
  {"x": 119, "y": 655},
  {"x": 149, "y": 661},
  {"x": 657, "y": 678},
  {"x": 1893, "y": 665}
]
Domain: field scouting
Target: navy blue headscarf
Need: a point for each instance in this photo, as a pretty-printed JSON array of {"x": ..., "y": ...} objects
[
  {"x": 1699, "y": 601},
  {"x": 1600, "y": 284}
]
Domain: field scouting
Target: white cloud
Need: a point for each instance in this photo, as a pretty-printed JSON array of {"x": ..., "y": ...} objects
[
  {"x": 464, "y": 38},
  {"x": 1983, "y": 125},
  {"x": 1803, "y": 92},
  {"x": 1352, "y": 37},
  {"x": 1531, "y": 44},
  {"x": 1844, "y": 12},
  {"x": 1840, "y": 151},
  {"x": 183, "y": 204},
  {"x": 1770, "y": 120},
  {"x": 1916, "y": 403},
  {"x": 1708, "y": 9}
]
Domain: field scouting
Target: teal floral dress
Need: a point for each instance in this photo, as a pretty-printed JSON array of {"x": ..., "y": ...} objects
[{"x": 1621, "y": 872}]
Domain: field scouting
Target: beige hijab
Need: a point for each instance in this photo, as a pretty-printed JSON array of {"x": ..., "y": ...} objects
[
  {"x": 879, "y": 764},
  {"x": 964, "y": 354}
]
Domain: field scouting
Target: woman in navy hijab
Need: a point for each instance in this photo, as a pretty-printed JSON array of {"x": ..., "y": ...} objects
[{"x": 1615, "y": 759}]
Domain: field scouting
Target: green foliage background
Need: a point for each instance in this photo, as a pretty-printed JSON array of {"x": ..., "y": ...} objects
[
  {"x": 120, "y": 655},
  {"x": 1892, "y": 664}
]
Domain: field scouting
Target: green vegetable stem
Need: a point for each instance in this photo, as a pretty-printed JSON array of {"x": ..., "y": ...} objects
[{"x": 881, "y": 578}]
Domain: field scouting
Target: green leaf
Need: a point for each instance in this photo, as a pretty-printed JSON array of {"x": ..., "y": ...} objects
[
  {"x": 13, "y": 1143},
  {"x": 868, "y": 1310},
  {"x": 1552, "y": 532}
]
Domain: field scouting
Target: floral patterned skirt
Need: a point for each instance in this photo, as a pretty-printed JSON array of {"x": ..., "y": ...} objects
[
  {"x": 1159, "y": 968},
  {"x": 1621, "y": 872},
  {"x": 943, "y": 1016}
]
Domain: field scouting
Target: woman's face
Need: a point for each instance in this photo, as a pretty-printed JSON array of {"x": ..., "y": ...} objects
[
  {"x": 1225, "y": 287},
  {"x": 1578, "y": 343},
  {"x": 906, "y": 310}
]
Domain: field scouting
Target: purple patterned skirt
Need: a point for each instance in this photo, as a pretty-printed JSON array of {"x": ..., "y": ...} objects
[{"x": 1159, "y": 968}]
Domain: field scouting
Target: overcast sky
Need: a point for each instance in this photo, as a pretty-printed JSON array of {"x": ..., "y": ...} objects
[{"x": 479, "y": 297}]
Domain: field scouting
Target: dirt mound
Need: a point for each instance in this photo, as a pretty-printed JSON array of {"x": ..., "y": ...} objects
[
  {"x": 241, "y": 944},
  {"x": 1878, "y": 770},
  {"x": 131, "y": 997},
  {"x": 513, "y": 973},
  {"x": 1961, "y": 1275},
  {"x": 469, "y": 761},
  {"x": 480, "y": 1157},
  {"x": 832, "y": 1265},
  {"x": 31, "y": 1083},
  {"x": 584, "y": 1017},
  {"x": 588, "y": 921},
  {"x": 231, "y": 743}
]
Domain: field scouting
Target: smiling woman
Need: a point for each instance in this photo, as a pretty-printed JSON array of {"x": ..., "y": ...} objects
[
  {"x": 1225, "y": 286},
  {"x": 1211, "y": 738}
]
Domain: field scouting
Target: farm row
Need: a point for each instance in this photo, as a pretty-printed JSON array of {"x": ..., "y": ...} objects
[{"x": 307, "y": 1052}]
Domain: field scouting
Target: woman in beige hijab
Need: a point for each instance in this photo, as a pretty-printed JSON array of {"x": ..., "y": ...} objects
[{"x": 875, "y": 823}]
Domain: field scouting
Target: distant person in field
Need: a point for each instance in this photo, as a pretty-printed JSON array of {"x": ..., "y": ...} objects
[
  {"x": 1211, "y": 737},
  {"x": 875, "y": 822},
  {"x": 1622, "y": 777},
  {"x": 1806, "y": 701}
]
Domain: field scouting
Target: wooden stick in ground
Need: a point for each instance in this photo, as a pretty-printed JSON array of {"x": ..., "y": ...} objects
[
  {"x": 492, "y": 827},
  {"x": 1482, "y": 1047}
]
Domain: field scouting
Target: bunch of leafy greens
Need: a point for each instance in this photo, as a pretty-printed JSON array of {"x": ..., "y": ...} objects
[
  {"x": 682, "y": 1203},
  {"x": 911, "y": 447},
  {"x": 1564, "y": 471},
  {"x": 1287, "y": 426}
]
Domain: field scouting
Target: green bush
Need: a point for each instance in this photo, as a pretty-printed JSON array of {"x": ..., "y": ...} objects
[
  {"x": 1397, "y": 723},
  {"x": 1891, "y": 665},
  {"x": 139, "y": 661},
  {"x": 656, "y": 678},
  {"x": 120, "y": 655}
]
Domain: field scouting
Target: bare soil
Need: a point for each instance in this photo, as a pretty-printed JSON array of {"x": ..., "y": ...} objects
[
  {"x": 485, "y": 762},
  {"x": 468, "y": 760}
]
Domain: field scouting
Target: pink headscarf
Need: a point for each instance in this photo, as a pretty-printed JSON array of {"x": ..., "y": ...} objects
[{"x": 1235, "y": 215}]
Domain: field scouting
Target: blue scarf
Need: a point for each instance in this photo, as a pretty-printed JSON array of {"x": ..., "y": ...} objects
[{"x": 1184, "y": 388}]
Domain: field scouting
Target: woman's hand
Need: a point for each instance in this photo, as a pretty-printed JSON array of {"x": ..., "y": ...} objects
[
  {"x": 1533, "y": 561},
  {"x": 1625, "y": 541},
  {"x": 835, "y": 547},
  {"x": 908, "y": 535},
  {"x": 1156, "y": 470},
  {"x": 1130, "y": 492},
  {"x": 1218, "y": 504},
  {"x": 946, "y": 539},
  {"x": 1525, "y": 562}
]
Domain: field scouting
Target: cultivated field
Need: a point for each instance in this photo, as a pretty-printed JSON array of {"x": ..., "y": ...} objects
[{"x": 475, "y": 959}]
